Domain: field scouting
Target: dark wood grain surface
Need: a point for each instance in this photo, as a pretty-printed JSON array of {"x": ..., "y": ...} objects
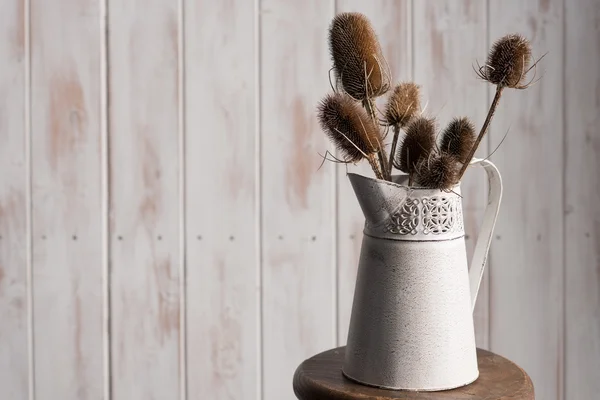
[{"x": 320, "y": 378}]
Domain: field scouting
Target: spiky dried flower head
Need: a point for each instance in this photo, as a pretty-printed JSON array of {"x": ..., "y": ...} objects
[
  {"x": 439, "y": 171},
  {"x": 357, "y": 58},
  {"x": 458, "y": 138},
  {"x": 508, "y": 62},
  {"x": 417, "y": 144},
  {"x": 403, "y": 104},
  {"x": 349, "y": 127}
]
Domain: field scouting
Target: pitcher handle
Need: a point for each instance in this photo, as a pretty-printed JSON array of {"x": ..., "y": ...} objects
[{"x": 486, "y": 232}]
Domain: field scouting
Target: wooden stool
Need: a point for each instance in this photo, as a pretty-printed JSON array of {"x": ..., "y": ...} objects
[{"x": 320, "y": 378}]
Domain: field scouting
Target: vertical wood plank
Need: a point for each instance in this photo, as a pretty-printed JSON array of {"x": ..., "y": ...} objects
[
  {"x": 144, "y": 199},
  {"x": 527, "y": 280},
  {"x": 582, "y": 189},
  {"x": 222, "y": 303},
  {"x": 449, "y": 36},
  {"x": 297, "y": 198},
  {"x": 392, "y": 22},
  {"x": 13, "y": 205},
  {"x": 66, "y": 199}
]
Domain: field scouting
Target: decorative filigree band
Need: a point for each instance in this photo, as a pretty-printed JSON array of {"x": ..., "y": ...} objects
[{"x": 436, "y": 215}]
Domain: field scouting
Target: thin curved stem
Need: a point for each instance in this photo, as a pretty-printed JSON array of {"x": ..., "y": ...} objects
[
  {"x": 483, "y": 131},
  {"x": 393, "y": 148},
  {"x": 375, "y": 165},
  {"x": 370, "y": 107}
]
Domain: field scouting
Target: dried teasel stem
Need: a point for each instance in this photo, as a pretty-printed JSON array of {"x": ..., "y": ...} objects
[
  {"x": 372, "y": 158},
  {"x": 506, "y": 66},
  {"x": 381, "y": 154},
  {"x": 393, "y": 147},
  {"x": 482, "y": 133},
  {"x": 369, "y": 105}
]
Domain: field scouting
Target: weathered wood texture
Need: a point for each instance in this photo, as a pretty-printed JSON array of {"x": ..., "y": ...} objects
[
  {"x": 144, "y": 199},
  {"x": 391, "y": 20},
  {"x": 14, "y": 303},
  {"x": 298, "y": 211},
  {"x": 222, "y": 305},
  {"x": 271, "y": 241},
  {"x": 526, "y": 296},
  {"x": 320, "y": 377},
  {"x": 66, "y": 199},
  {"x": 582, "y": 197}
]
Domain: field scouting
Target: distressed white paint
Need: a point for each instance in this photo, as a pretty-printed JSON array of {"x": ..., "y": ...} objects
[
  {"x": 412, "y": 315},
  {"x": 297, "y": 199},
  {"x": 301, "y": 311},
  {"x": 144, "y": 199},
  {"x": 582, "y": 190},
  {"x": 14, "y": 304},
  {"x": 222, "y": 294},
  {"x": 66, "y": 200},
  {"x": 526, "y": 285}
]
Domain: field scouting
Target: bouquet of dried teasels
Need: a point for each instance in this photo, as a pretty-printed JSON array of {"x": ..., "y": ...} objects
[{"x": 358, "y": 128}]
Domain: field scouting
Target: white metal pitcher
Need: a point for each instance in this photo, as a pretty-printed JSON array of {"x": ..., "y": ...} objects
[{"x": 412, "y": 316}]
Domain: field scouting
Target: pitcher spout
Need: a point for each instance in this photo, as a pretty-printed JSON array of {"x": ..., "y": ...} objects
[{"x": 378, "y": 199}]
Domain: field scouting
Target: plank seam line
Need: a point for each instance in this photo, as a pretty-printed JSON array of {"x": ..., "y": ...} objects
[
  {"x": 182, "y": 202},
  {"x": 336, "y": 239},
  {"x": 489, "y": 150},
  {"x": 105, "y": 205},
  {"x": 258, "y": 199},
  {"x": 563, "y": 393},
  {"x": 411, "y": 4},
  {"x": 29, "y": 201}
]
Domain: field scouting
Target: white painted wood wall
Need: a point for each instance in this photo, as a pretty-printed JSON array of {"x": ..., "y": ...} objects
[{"x": 165, "y": 232}]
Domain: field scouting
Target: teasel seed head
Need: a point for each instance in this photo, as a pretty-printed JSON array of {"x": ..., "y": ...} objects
[
  {"x": 349, "y": 127},
  {"x": 508, "y": 62},
  {"x": 357, "y": 57},
  {"x": 439, "y": 171},
  {"x": 458, "y": 138},
  {"x": 417, "y": 144},
  {"x": 403, "y": 104}
]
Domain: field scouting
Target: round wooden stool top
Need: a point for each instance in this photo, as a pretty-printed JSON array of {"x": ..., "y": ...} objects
[{"x": 320, "y": 378}]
